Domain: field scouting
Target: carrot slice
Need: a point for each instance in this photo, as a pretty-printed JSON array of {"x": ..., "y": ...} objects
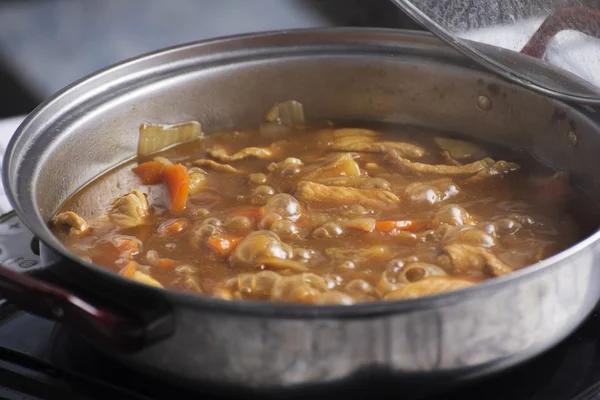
[
  {"x": 167, "y": 263},
  {"x": 107, "y": 252},
  {"x": 255, "y": 213},
  {"x": 129, "y": 270},
  {"x": 126, "y": 246},
  {"x": 178, "y": 180},
  {"x": 173, "y": 227},
  {"x": 150, "y": 172},
  {"x": 402, "y": 225},
  {"x": 223, "y": 244}
]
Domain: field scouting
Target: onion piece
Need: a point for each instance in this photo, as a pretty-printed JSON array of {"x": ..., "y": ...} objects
[
  {"x": 156, "y": 137},
  {"x": 198, "y": 179},
  {"x": 459, "y": 149},
  {"x": 361, "y": 224},
  {"x": 146, "y": 279},
  {"x": 273, "y": 130},
  {"x": 289, "y": 113}
]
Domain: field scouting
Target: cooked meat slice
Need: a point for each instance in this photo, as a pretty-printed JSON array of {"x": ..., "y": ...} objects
[
  {"x": 215, "y": 166},
  {"x": 360, "y": 255},
  {"x": 342, "y": 165},
  {"x": 368, "y": 144},
  {"x": 77, "y": 225},
  {"x": 345, "y": 132},
  {"x": 467, "y": 258},
  {"x": 449, "y": 160},
  {"x": 431, "y": 192},
  {"x": 499, "y": 168},
  {"x": 407, "y": 149},
  {"x": 256, "y": 152},
  {"x": 428, "y": 287},
  {"x": 315, "y": 193},
  {"x": 353, "y": 143},
  {"x": 130, "y": 210},
  {"x": 356, "y": 182},
  {"x": 396, "y": 159}
]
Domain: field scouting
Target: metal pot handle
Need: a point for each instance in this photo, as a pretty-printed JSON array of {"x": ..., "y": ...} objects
[
  {"x": 583, "y": 19},
  {"x": 118, "y": 330}
]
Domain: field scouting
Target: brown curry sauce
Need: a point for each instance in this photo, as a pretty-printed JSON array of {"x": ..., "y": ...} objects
[{"x": 323, "y": 216}]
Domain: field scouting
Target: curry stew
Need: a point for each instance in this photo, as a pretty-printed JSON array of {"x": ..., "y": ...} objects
[{"x": 319, "y": 215}]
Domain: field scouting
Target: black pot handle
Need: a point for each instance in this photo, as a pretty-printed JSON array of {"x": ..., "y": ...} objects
[{"x": 108, "y": 326}]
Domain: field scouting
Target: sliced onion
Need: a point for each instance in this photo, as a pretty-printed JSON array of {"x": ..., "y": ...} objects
[
  {"x": 289, "y": 113},
  {"x": 361, "y": 224},
  {"x": 459, "y": 149},
  {"x": 156, "y": 137},
  {"x": 273, "y": 130},
  {"x": 198, "y": 179},
  {"x": 145, "y": 279},
  {"x": 164, "y": 161}
]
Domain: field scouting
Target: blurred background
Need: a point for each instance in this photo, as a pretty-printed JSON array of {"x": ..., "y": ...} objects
[{"x": 47, "y": 44}]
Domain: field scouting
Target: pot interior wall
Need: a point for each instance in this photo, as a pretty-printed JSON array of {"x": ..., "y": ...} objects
[{"x": 392, "y": 77}]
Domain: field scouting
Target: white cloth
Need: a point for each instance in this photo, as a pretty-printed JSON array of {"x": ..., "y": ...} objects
[{"x": 570, "y": 50}]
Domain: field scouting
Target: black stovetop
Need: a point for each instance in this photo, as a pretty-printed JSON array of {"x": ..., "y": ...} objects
[{"x": 41, "y": 360}]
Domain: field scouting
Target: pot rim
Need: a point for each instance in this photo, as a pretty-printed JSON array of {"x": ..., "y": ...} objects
[{"x": 261, "y": 308}]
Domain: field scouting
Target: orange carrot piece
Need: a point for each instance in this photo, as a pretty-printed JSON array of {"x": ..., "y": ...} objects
[
  {"x": 150, "y": 172},
  {"x": 255, "y": 213},
  {"x": 178, "y": 181},
  {"x": 167, "y": 263},
  {"x": 173, "y": 227},
  {"x": 402, "y": 225},
  {"x": 107, "y": 252},
  {"x": 223, "y": 244},
  {"x": 129, "y": 270}
]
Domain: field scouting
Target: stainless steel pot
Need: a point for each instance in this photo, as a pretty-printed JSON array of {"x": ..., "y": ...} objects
[{"x": 341, "y": 74}]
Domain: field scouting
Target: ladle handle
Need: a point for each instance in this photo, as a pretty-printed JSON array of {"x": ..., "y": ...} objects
[
  {"x": 582, "y": 19},
  {"x": 115, "y": 330}
]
